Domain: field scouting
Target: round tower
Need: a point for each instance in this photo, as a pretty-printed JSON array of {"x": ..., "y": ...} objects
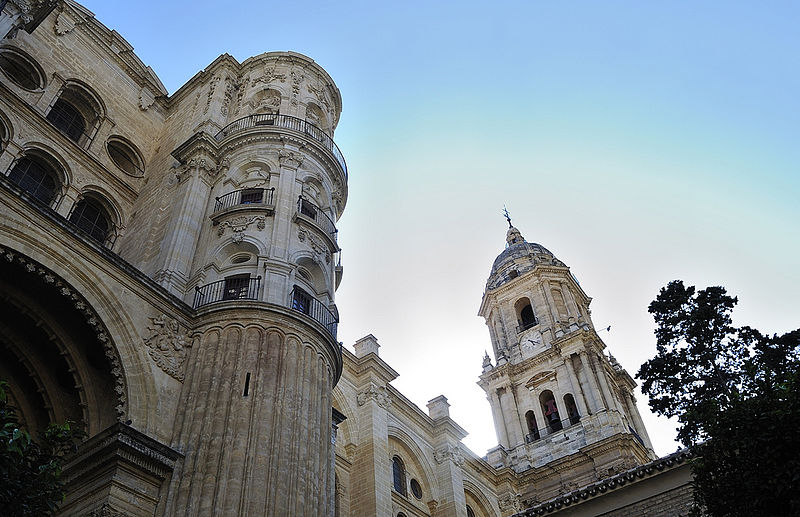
[
  {"x": 552, "y": 390},
  {"x": 253, "y": 249}
]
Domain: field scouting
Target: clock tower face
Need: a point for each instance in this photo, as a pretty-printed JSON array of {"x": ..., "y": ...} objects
[{"x": 532, "y": 342}]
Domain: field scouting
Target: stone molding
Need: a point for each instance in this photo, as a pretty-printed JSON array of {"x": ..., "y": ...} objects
[
  {"x": 239, "y": 224},
  {"x": 168, "y": 346}
]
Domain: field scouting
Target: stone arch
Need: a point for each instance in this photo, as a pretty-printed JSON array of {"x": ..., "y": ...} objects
[
  {"x": 316, "y": 115},
  {"x": 476, "y": 498},
  {"x": 344, "y": 434},
  {"x": 6, "y": 131},
  {"x": 77, "y": 98},
  {"x": 61, "y": 345},
  {"x": 412, "y": 455},
  {"x": 265, "y": 100}
]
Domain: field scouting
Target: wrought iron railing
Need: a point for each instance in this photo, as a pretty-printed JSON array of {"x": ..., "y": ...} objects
[
  {"x": 522, "y": 327},
  {"x": 552, "y": 427},
  {"x": 287, "y": 122},
  {"x": 247, "y": 196},
  {"x": 320, "y": 218},
  {"x": 302, "y": 301},
  {"x": 231, "y": 288}
]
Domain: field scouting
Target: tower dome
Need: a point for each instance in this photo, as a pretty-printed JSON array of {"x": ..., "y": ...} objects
[{"x": 520, "y": 256}]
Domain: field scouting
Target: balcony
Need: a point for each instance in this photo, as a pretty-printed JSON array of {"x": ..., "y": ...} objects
[
  {"x": 258, "y": 197},
  {"x": 285, "y": 122},
  {"x": 303, "y": 302},
  {"x": 309, "y": 211},
  {"x": 231, "y": 288}
]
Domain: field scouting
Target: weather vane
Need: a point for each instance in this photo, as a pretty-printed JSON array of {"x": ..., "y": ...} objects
[{"x": 507, "y": 215}]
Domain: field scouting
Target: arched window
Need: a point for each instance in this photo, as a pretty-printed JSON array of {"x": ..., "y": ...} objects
[
  {"x": 550, "y": 410},
  {"x": 572, "y": 408},
  {"x": 37, "y": 177},
  {"x": 525, "y": 314},
  {"x": 21, "y": 69},
  {"x": 470, "y": 511},
  {"x": 3, "y": 135},
  {"x": 90, "y": 216},
  {"x": 416, "y": 488},
  {"x": 237, "y": 287},
  {"x": 75, "y": 113},
  {"x": 533, "y": 429},
  {"x": 399, "y": 475}
]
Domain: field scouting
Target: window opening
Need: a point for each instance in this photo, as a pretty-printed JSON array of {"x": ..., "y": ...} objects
[
  {"x": 399, "y": 475},
  {"x": 36, "y": 178},
  {"x": 533, "y": 429},
  {"x": 67, "y": 119},
  {"x": 251, "y": 195},
  {"x": 20, "y": 70},
  {"x": 90, "y": 217},
  {"x": 236, "y": 287},
  {"x": 470, "y": 511},
  {"x": 301, "y": 301},
  {"x": 572, "y": 408},
  {"x": 124, "y": 157},
  {"x": 308, "y": 209},
  {"x": 416, "y": 489},
  {"x": 246, "y": 385},
  {"x": 550, "y": 410}
]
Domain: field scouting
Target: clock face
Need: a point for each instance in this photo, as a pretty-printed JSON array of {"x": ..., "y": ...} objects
[{"x": 531, "y": 341}]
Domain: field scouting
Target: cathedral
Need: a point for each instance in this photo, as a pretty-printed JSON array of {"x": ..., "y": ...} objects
[{"x": 168, "y": 269}]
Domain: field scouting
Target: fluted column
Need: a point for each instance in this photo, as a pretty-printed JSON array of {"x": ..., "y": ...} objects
[{"x": 256, "y": 425}]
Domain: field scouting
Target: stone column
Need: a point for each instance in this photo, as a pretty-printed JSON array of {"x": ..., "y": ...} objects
[
  {"x": 576, "y": 386},
  {"x": 499, "y": 420},
  {"x": 510, "y": 418},
  {"x": 256, "y": 430},
  {"x": 597, "y": 400},
  {"x": 611, "y": 402}
]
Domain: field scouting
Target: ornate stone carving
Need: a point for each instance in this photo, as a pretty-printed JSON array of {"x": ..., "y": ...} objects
[
  {"x": 64, "y": 23},
  {"x": 91, "y": 318},
  {"x": 230, "y": 87},
  {"x": 146, "y": 99},
  {"x": 297, "y": 80},
  {"x": 509, "y": 503},
  {"x": 315, "y": 244},
  {"x": 376, "y": 393},
  {"x": 269, "y": 76},
  {"x": 290, "y": 159},
  {"x": 168, "y": 346},
  {"x": 451, "y": 453},
  {"x": 212, "y": 86},
  {"x": 106, "y": 511},
  {"x": 240, "y": 223}
]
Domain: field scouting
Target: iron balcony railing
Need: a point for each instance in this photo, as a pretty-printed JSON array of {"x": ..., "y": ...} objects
[
  {"x": 551, "y": 428},
  {"x": 287, "y": 122},
  {"x": 303, "y": 302},
  {"x": 247, "y": 196},
  {"x": 232, "y": 288},
  {"x": 522, "y": 327},
  {"x": 315, "y": 213}
]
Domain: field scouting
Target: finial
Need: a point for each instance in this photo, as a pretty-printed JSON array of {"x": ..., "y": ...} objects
[{"x": 507, "y": 215}]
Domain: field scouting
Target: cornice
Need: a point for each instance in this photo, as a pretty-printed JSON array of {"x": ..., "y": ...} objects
[{"x": 628, "y": 477}]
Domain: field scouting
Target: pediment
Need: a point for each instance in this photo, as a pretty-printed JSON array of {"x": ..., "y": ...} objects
[{"x": 541, "y": 377}]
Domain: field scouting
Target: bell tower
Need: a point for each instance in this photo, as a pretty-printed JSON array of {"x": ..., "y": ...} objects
[{"x": 555, "y": 395}]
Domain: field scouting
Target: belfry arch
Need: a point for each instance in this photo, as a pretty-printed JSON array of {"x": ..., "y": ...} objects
[{"x": 55, "y": 352}]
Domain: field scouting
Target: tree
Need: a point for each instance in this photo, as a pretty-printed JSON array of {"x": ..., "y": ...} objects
[
  {"x": 736, "y": 394},
  {"x": 29, "y": 471}
]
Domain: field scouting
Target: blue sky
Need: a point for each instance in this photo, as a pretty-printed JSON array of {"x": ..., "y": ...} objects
[{"x": 638, "y": 141}]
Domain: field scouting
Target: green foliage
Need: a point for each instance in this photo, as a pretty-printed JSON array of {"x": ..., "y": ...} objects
[
  {"x": 735, "y": 394},
  {"x": 30, "y": 471}
]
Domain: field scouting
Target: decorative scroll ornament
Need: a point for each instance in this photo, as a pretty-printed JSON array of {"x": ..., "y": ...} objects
[
  {"x": 168, "y": 346},
  {"x": 239, "y": 224},
  {"x": 64, "y": 23},
  {"x": 376, "y": 393},
  {"x": 269, "y": 76},
  {"x": 451, "y": 453},
  {"x": 146, "y": 99}
]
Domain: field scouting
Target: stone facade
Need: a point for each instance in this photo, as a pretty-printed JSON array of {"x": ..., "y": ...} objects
[{"x": 168, "y": 268}]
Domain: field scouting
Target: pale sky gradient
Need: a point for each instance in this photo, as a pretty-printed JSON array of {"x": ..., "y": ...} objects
[{"x": 640, "y": 142}]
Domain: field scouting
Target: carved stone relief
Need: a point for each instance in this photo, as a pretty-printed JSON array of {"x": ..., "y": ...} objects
[
  {"x": 449, "y": 452},
  {"x": 168, "y": 346},
  {"x": 290, "y": 158},
  {"x": 239, "y": 224},
  {"x": 106, "y": 511},
  {"x": 316, "y": 245},
  {"x": 376, "y": 393}
]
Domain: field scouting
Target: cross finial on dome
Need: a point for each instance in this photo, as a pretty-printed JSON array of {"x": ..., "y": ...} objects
[{"x": 507, "y": 215}]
